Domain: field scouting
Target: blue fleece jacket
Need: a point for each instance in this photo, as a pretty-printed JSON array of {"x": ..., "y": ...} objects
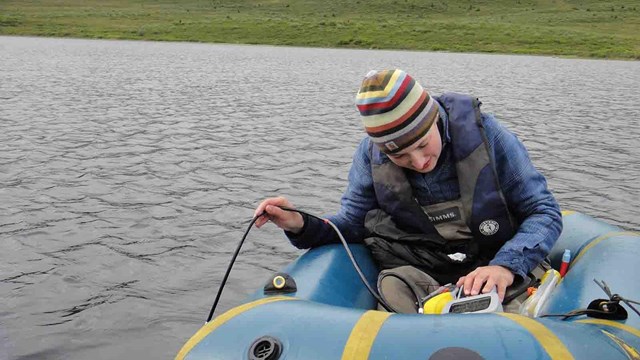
[{"x": 525, "y": 189}]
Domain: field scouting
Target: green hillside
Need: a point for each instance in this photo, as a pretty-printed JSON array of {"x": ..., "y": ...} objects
[{"x": 591, "y": 28}]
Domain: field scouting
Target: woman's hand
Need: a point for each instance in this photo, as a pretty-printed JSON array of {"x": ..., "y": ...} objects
[
  {"x": 489, "y": 276},
  {"x": 286, "y": 220}
]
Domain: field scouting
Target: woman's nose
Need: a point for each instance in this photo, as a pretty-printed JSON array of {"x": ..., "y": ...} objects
[{"x": 417, "y": 160}]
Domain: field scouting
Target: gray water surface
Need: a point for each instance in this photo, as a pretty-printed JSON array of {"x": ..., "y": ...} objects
[{"x": 130, "y": 170}]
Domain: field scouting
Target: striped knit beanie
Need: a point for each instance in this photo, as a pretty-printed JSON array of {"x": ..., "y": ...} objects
[{"x": 396, "y": 110}]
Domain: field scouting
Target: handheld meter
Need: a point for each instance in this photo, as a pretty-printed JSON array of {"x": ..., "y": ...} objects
[{"x": 481, "y": 303}]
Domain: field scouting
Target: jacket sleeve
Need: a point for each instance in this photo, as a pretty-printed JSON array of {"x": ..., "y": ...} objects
[
  {"x": 528, "y": 198},
  {"x": 357, "y": 200}
]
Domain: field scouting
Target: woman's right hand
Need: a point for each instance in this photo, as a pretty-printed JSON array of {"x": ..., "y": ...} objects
[{"x": 290, "y": 221}]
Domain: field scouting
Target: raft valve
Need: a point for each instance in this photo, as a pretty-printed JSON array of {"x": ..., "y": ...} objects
[{"x": 265, "y": 348}]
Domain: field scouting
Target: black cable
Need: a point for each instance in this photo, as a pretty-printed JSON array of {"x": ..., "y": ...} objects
[
  {"x": 233, "y": 260},
  {"x": 353, "y": 260},
  {"x": 615, "y": 297},
  {"x": 628, "y": 303},
  {"x": 418, "y": 299},
  {"x": 574, "y": 313},
  {"x": 335, "y": 228}
]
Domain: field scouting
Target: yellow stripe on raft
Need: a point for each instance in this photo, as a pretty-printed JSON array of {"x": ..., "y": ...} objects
[
  {"x": 610, "y": 323},
  {"x": 363, "y": 335},
  {"x": 629, "y": 350},
  {"x": 599, "y": 240},
  {"x": 547, "y": 339},
  {"x": 217, "y": 322},
  {"x": 567, "y": 212}
]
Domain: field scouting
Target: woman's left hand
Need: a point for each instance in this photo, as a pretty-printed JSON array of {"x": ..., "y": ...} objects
[{"x": 484, "y": 278}]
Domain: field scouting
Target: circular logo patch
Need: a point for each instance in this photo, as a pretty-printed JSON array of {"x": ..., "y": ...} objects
[{"x": 489, "y": 227}]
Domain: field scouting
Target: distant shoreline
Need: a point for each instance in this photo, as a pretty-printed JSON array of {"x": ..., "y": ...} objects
[{"x": 590, "y": 29}]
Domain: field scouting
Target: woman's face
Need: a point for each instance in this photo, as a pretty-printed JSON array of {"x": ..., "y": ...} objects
[{"x": 422, "y": 156}]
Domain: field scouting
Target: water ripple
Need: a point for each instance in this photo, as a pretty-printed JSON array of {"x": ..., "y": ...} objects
[{"x": 127, "y": 177}]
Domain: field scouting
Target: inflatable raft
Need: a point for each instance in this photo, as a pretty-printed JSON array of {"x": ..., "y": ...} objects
[{"x": 331, "y": 314}]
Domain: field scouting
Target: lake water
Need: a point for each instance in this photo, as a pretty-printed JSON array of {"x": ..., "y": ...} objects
[{"x": 130, "y": 170}]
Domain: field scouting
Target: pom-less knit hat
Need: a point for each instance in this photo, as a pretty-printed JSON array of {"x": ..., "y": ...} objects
[{"x": 396, "y": 110}]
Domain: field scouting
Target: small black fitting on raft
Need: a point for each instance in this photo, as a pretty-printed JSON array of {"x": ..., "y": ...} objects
[
  {"x": 280, "y": 283},
  {"x": 265, "y": 348},
  {"x": 607, "y": 309}
]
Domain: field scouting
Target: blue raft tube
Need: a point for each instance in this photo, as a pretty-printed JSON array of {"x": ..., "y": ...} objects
[{"x": 333, "y": 316}]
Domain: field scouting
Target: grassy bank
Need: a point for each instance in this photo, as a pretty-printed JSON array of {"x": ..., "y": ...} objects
[{"x": 591, "y": 28}]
